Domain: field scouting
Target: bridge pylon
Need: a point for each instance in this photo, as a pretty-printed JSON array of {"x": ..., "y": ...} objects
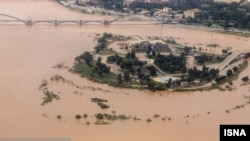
[
  {"x": 106, "y": 22},
  {"x": 80, "y": 23},
  {"x": 56, "y": 22},
  {"x": 29, "y": 22}
]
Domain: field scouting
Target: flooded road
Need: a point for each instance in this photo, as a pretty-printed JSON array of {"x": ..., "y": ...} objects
[{"x": 27, "y": 57}]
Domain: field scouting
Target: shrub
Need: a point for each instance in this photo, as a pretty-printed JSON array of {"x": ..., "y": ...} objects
[
  {"x": 245, "y": 79},
  {"x": 149, "y": 120},
  {"x": 78, "y": 117},
  {"x": 103, "y": 105},
  {"x": 99, "y": 116},
  {"x": 156, "y": 116},
  {"x": 85, "y": 115},
  {"x": 59, "y": 117},
  {"x": 98, "y": 100}
]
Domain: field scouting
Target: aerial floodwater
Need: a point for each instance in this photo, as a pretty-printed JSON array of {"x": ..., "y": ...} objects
[{"x": 28, "y": 55}]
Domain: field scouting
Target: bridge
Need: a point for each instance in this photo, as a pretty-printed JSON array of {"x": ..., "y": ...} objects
[
  {"x": 29, "y": 22},
  {"x": 231, "y": 61}
]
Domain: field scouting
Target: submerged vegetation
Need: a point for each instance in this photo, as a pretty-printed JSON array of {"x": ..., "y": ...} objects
[
  {"x": 100, "y": 102},
  {"x": 49, "y": 96}
]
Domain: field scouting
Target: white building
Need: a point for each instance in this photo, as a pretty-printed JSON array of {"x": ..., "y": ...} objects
[
  {"x": 193, "y": 13},
  {"x": 167, "y": 10}
]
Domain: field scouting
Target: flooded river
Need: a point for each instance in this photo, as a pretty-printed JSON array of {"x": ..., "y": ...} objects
[{"x": 27, "y": 57}]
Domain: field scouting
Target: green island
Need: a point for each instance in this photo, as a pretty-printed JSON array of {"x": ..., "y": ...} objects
[{"x": 159, "y": 64}]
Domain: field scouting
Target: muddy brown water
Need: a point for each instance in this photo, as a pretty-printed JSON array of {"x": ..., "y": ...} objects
[{"x": 28, "y": 54}]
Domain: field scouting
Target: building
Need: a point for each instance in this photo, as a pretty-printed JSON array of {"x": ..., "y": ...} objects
[
  {"x": 184, "y": 84},
  {"x": 127, "y": 2},
  {"x": 192, "y": 13},
  {"x": 167, "y": 10},
  {"x": 143, "y": 46}
]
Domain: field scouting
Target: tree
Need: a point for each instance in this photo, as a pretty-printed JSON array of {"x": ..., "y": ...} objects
[
  {"x": 131, "y": 55},
  {"x": 119, "y": 78},
  {"x": 213, "y": 73},
  {"x": 87, "y": 57},
  {"x": 152, "y": 70},
  {"x": 126, "y": 76},
  {"x": 229, "y": 73},
  {"x": 99, "y": 59},
  {"x": 235, "y": 69},
  {"x": 245, "y": 79},
  {"x": 170, "y": 81},
  {"x": 151, "y": 86},
  {"x": 99, "y": 116},
  {"x": 186, "y": 50}
]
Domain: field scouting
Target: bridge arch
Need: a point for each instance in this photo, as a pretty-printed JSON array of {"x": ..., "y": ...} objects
[
  {"x": 47, "y": 22},
  {"x": 73, "y": 22},
  {"x": 12, "y": 17}
]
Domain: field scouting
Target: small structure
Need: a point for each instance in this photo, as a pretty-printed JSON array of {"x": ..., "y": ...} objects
[
  {"x": 192, "y": 13},
  {"x": 167, "y": 10},
  {"x": 184, "y": 84},
  {"x": 127, "y": 2}
]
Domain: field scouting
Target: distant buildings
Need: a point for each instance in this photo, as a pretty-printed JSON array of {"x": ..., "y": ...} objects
[
  {"x": 128, "y": 2},
  {"x": 227, "y": 1},
  {"x": 84, "y": 2},
  {"x": 185, "y": 3}
]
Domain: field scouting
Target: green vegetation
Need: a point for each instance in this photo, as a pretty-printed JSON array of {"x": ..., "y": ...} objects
[
  {"x": 156, "y": 116},
  {"x": 102, "y": 42},
  {"x": 171, "y": 63},
  {"x": 208, "y": 59},
  {"x": 59, "y": 117},
  {"x": 104, "y": 118},
  {"x": 171, "y": 41},
  {"x": 103, "y": 105},
  {"x": 78, "y": 117},
  {"x": 237, "y": 71},
  {"x": 85, "y": 116},
  {"x": 90, "y": 71},
  {"x": 225, "y": 15},
  {"x": 204, "y": 74},
  {"x": 106, "y": 39},
  {"x": 213, "y": 45},
  {"x": 112, "y": 4},
  {"x": 149, "y": 120},
  {"x": 134, "y": 73},
  {"x": 100, "y": 102},
  {"x": 96, "y": 100},
  {"x": 138, "y": 6},
  {"x": 245, "y": 79},
  {"x": 49, "y": 96}
]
